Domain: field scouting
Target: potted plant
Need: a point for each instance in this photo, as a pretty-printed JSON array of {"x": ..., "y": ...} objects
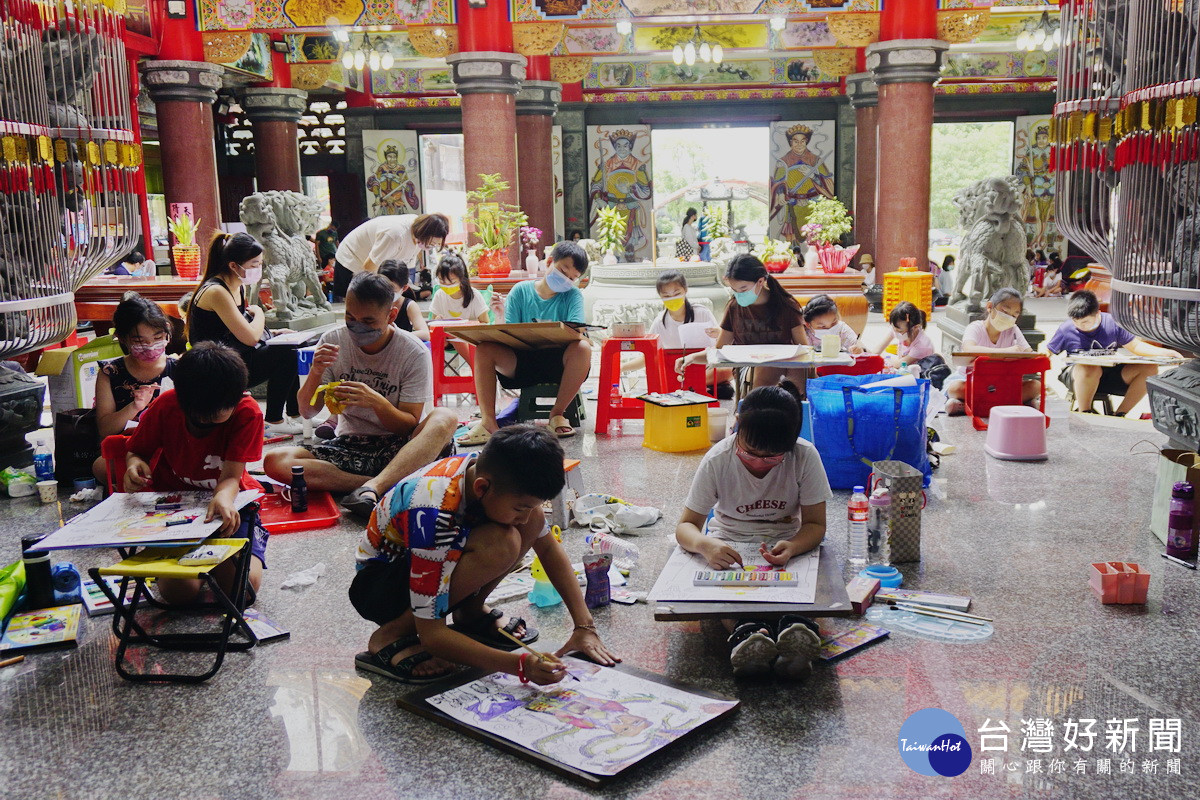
[
  {"x": 494, "y": 224},
  {"x": 775, "y": 254},
  {"x": 185, "y": 253},
  {"x": 610, "y": 232},
  {"x": 828, "y": 222}
]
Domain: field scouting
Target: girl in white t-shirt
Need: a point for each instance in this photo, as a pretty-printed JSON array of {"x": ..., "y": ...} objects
[
  {"x": 457, "y": 299},
  {"x": 765, "y": 486},
  {"x": 997, "y": 331},
  {"x": 821, "y": 318},
  {"x": 678, "y": 311}
]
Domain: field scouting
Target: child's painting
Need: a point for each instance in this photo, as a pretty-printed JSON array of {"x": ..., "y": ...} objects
[
  {"x": 1031, "y": 163},
  {"x": 620, "y": 158},
  {"x": 802, "y": 156},
  {"x": 602, "y": 723},
  {"x": 391, "y": 169}
]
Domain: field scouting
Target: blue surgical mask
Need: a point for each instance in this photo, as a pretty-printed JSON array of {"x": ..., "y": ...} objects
[
  {"x": 558, "y": 282},
  {"x": 363, "y": 334},
  {"x": 745, "y": 298}
]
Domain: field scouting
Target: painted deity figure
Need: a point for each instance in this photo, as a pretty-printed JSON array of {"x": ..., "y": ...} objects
[
  {"x": 623, "y": 181},
  {"x": 992, "y": 254},
  {"x": 1038, "y": 205},
  {"x": 799, "y": 176},
  {"x": 394, "y": 192}
]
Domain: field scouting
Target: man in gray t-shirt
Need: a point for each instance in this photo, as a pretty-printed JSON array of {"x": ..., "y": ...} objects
[{"x": 384, "y": 378}]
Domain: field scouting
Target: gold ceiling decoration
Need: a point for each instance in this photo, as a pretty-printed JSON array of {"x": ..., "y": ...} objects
[
  {"x": 569, "y": 69},
  {"x": 836, "y": 62},
  {"x": 537, "y": 38},
  {"x": 310, "y": 76},
  {"x": 854, "y": 30},
  {"x": 433, "y": 41},
  {"x": 958, "y": 25},
  {"x": 224, "y": 47}
]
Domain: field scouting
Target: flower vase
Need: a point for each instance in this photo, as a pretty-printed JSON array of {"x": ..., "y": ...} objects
[
  {"x": 835, "y": 258},
  {"x": 187, "y": 261},
  {"x": 812, "y": 261},
  {"x": 494, "y": 264},
  {"x": 777, "y": 265},
  {"x": 531, "y": 262}
]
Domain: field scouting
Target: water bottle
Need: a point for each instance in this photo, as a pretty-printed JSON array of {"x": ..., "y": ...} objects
[
  {"x": 544, "y": 594},
  {"x": 615, "y": 401},
  {"x": 43, "y": 461},
  {"x": 299, "y": 490},
  {"x": 856, "y": 515},
  {"x": 1181, "y": 535},
  {"x": 624, "y": 553},
  {"x": 879, "y": 528}
]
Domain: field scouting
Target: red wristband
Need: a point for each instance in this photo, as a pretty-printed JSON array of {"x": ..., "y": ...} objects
[{"x": 521, "y": 667}]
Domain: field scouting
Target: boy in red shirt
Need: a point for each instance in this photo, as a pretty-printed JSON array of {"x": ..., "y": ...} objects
[{"x": 201, "y": 435}]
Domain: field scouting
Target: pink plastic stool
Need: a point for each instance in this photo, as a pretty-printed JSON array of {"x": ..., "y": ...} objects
[{"x": 1016, "y": 433}]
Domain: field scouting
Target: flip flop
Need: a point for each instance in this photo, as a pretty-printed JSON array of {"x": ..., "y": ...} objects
[
  {"x": 557, "y": 422},
  {"x": 381, "y": 663},
  {"x": 361, "y": 502},
  {"x": 476, "y": 436},
  {"x": 483, "y": 630}
]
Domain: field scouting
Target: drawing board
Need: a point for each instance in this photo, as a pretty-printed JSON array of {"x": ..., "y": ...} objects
[
  {"x": 592, "y": 729},
  {"x": 521, "y": 335}
]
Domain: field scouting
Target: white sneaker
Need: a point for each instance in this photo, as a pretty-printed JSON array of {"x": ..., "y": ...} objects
[
  {"x": 753, "y": 654},
  {"x": 797, "y": 646},
  {"x": 286, "y": 427}
]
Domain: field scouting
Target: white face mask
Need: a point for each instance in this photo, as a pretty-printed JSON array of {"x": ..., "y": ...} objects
[{"x": 1002, "y": 321}]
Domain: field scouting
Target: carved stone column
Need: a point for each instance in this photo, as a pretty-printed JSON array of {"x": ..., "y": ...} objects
[
  {"x": 537, "y": 103},
  {"x": 183, "y": 94},
  {"x": 275, "y": 114}
]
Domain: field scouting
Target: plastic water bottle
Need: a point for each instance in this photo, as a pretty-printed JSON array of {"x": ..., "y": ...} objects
[
  {"x": 1181, "y": 536},
  {"x": 623, "y": 552},
  {"x": 544, "y": 594},
  {"x": 856, "y": 514},
  {"x": 43, "y": 461},
  {"x": 879, "y": 528}
]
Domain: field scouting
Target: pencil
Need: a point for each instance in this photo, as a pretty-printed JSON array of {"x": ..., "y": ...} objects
[
  {"x": 921, "y": 607},
  {"x": 543, "y": 656},
  {"x": 8, "y": 662},
  {"x": 939, "y": 615}
]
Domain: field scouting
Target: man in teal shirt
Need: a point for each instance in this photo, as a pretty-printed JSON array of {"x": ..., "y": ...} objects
[{"x": 553, "y": 297}]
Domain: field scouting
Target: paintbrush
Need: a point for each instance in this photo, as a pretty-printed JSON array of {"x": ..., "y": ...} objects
[
  {"x": 939, "y": 615},
  {"x": 543, "y": 656},
  {"x": 921, "y": 607}
]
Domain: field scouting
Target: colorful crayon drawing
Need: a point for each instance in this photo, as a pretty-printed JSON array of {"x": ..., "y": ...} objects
[{"x": 601, "y": 724}]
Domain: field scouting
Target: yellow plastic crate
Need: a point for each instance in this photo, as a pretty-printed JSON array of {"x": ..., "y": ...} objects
[
  {"x": 908, "y": 283},
  {"x": 676, "y": 429}
]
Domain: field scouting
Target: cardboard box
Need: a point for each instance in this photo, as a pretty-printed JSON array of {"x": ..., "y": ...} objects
[{"x": 72, "y": 372}]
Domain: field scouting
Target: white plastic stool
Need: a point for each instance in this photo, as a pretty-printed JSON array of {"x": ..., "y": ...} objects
[{"x": 1016, "y": 433}]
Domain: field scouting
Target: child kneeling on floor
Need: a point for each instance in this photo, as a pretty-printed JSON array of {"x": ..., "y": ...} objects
[
  {"x": 201, "y": 435},
  {"x": 438, "y": 544},
  {"x": 764, "y": 485}
]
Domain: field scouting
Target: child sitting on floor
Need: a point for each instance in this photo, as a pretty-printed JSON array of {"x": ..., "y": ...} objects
[
  {"x": 201, "y": 435},
  {"x": 438, "y": 544},
  {"x": 998, "y": 331},
  {"x": 908, "y": 332},
  {"x": 822, "y": 318},
  {"x": 767, "y": 485}
]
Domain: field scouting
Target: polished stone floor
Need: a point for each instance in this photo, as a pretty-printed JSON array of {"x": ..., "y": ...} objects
[{"x": 292, "y": 719}]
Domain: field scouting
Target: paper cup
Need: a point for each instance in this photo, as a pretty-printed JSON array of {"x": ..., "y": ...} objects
[
  {"x": 831, "y": 345},
  {"x": 48, "y": 490}
]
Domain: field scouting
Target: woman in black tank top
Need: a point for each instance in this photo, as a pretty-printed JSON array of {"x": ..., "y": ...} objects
[
  {"x": 410, "y": 317},
  {"x": 220, "y": 312}
]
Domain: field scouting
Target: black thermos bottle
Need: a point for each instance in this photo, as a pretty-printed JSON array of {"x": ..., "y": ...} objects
[
  {"x": 299, "y": 490},
  {"x": 39, "y": 587}
]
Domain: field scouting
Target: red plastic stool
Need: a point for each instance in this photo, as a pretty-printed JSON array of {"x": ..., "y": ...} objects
[
  {"x": 693, "y": 375},
  {"x": 611, "y": 404},
  {"x": 997, "y": 381},
  {"x": 445, "y": 383}
]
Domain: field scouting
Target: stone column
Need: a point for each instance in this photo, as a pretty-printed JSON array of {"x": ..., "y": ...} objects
[
  {"x": 275, "y": 113},
  {"x": 905, "y": 71},
  {"x": 536, "y": 105},
  {"x": 183, "y": 94},
  {"x": 488, "y": 82},
  {"x": 863, "y": 93}
]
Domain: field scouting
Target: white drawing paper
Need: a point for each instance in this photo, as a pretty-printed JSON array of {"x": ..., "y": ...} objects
[
  {"x": 674, "y": 583},
  {"x": 602, "y": 723},
  {"x": 764, "y": 353},
  {"x": 694, "y": 335},
  {"x": 128, "y": 519}
]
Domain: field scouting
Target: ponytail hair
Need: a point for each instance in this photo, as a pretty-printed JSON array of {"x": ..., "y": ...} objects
[
  {"x": 745, "y": 267},
  {"x": 769, "y": 418},
  {"x": 225, "y": 248},
  {"x": 905, "y": 311},
  {"x": 673, "y": 277},
  {"x": 451, "y": 265}
]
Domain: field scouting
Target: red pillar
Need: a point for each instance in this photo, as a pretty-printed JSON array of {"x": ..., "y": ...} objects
[
  {"x": 905, "y": 63},
  {"x": 537, "y": 103},
  {"x": 274, "y": 110}
]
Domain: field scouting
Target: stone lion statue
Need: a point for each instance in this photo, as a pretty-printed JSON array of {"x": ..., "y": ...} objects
[
  {"x": 992, "y": 254},
  {"x": 280, "y": 221}
]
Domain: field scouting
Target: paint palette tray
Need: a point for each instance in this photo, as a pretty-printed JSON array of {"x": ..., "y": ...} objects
[
  {"x": 928, "y": 627},
  {"x": 737, "y": 577}
]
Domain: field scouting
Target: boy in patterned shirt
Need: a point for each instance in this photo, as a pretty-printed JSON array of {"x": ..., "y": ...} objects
[{"x": 451, "y": 532}]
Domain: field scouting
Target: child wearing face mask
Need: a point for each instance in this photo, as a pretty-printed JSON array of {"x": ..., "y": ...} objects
[
  {"x": 220, "y": 312},
  {"x": 457, "y": 300},
  {"x": 907, "y": 330},
  {"x": 822, "y": 318},
  {"x": 997, "y": 331},
  {"x": 678, "y": 311},
  {"x": 767, "y": 487},
  {"x": 126, "y": 385}
]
